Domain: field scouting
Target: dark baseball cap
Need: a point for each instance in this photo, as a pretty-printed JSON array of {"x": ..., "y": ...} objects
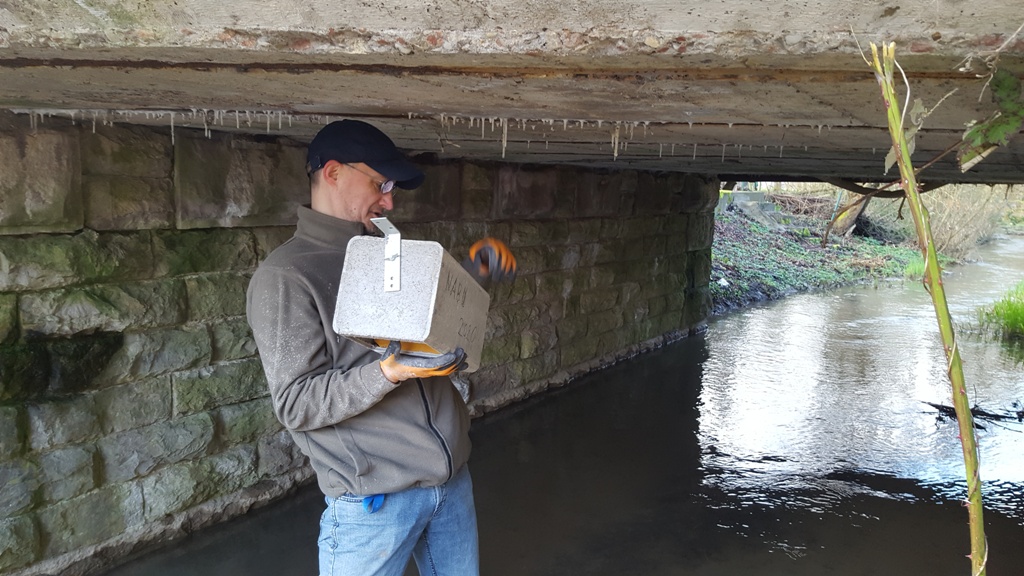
[{"x": 357, "y": 141}]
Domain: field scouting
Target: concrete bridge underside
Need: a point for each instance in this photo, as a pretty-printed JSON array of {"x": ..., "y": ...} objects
[{"x": 744, "y": 90}]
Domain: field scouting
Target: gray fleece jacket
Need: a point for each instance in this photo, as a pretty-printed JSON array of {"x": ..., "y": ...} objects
[{"x": 363, "y": 434}]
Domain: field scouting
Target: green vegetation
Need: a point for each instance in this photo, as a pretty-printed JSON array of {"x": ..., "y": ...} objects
[
  {"x": 1006, "y": 315},
  {"x": 750, "y": 263}
]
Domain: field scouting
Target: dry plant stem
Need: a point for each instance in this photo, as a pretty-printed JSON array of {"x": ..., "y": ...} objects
[{"x": 933, "y": 283}]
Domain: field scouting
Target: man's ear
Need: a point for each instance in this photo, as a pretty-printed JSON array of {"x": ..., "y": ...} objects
[{"x": 332, "y": 171}]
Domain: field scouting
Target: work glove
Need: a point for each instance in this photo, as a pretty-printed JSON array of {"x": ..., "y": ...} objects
[
  {"x": 490, "y": 259},
  {"x": 398, "y": 367}
]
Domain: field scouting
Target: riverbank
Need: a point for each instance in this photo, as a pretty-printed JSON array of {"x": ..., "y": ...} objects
[{"x": 751, "y": 262}]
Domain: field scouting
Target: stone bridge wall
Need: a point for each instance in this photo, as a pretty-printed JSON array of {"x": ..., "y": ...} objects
[{"x": 133, "y": 405}]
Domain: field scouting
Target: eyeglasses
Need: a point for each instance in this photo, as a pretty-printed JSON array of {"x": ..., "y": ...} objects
[{"x": 385, "y": 186}]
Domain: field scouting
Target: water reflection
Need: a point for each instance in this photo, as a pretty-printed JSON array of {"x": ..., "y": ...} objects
[{"x": 818, "y": 400}]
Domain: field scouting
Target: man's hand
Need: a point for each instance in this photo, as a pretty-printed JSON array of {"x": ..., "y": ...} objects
[
  {"x": 490, "y": 258},
  {"x": 398, "y": 367}
]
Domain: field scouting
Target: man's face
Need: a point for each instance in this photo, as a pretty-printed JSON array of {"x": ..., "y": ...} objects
[{"x": 359, "y": 186}]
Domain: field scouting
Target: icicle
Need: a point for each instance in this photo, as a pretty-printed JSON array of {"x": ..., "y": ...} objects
[
  {"x": 504, "y": 136},
  {"x": 599, "y": 122},
  {"x": 694, "y": 150},
  {"x": 673, "y": 151},
  {"x": 565, "y": 124},
  {"x": 615, "y": 141},
  {"x": 780, "y": 151},
  {"x": 690, "y": 124},
  {"x": 819, "y": 129},
  {"x": 730, "y": 124},
  {"x": 236, "y": 120},
  {"x": 248, "y": 119},
  {"x": 481, "y": 128},
  {"x": 172, "y": 128},
  {"x": 289, "y": 120},
  {"x": 93, "y": 121},
  {"x": 206, "y": 129},
  {"x": 527, "y": 144},
  {"x": 280, "y": 117},
  {"x": 661, "y": 148},
  {"x": 267, "y": 114},
  {"x": 723, "y": 153}
]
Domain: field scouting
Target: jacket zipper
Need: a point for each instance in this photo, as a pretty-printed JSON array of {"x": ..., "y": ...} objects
[{"x": 437, "y": 433}]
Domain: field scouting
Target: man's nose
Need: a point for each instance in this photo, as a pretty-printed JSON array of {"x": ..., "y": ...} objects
[{"x": 387, "y": 201}]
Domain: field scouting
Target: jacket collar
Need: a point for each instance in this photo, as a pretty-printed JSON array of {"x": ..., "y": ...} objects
[{"x": 326, "y": 229}]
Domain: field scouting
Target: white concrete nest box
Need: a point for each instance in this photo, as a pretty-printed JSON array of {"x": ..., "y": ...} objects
[{"x": 413, "y": 291}]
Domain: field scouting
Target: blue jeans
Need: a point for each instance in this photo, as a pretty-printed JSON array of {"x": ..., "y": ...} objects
[{"x": 436, "y": 526}]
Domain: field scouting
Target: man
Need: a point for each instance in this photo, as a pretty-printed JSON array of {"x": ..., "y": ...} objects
[{"x": 387, "y": 435}]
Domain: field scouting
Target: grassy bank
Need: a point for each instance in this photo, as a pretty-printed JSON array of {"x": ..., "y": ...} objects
[{"x": 750, "y": 263}]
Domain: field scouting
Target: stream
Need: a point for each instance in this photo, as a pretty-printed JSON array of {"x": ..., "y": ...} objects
[{"x": 792, "y": 438}]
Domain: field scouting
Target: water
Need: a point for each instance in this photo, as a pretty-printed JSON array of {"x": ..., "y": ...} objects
[{"x": 792, "y": 438}]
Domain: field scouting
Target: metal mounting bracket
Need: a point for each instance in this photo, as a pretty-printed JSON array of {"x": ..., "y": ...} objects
[{"x": 392, "y": 254}]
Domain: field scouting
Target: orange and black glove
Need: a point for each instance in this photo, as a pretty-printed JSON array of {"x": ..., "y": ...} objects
[
  {"x": 398, "y": 367},
  {"x": 491, "y": 259}
]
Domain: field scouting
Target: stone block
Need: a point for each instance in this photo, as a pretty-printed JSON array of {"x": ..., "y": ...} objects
[
  {"x": 604, "y": 193},
  {"x": 88, "y": 519},
  {"x": 652, "y": 195},
  {"x": 278, "y": 454},
  {"x": 108, "y": 307},
  {"x": 67, "y": 472},
  {"x": 72, "y": 363},
  {"x": 213, "y": 297},
  {"x": 19, "y": 480},
  {"x": 439, "y": 304},
  {"x": 157, "y": 352},
  {"x": 8, "y": 317},
  {"x": 488, "y": 382},
  {"x": 182, "y": 486},
  {"x": 477, "y": 191},
  {"x": 40, "y": 191},
  {"x": 11, "y": 436},
  {"x": 232, "y": 340},
  {"x": 533, "y": 233},
  {"x": 601, "y": 322},
  {"x": 701, "y": 231},
  {"x": 269, "y": 238},
  {"x": 19, "y": 542},
  {"x": 501, "y": 350},
  {"x": 598, "y": 300},
  {"x": 24, "y": 371},
  {"x": 218, "y": 385},
  {"x": 581, "y": 231},
  {"x": 63, "y": 422},
  {"x": 553, "y": 285},
  {"x": 439, "y": 198},
  {"x": 52, "y": 261},
  {"x": 246, "y": 422},
  {"x": 128, "y": 203},
  {"x": 570, "y": 329},
  {"x": 126, "y": 151},
  {"x": 198, "y": 251},
  {"x": 525, "y": 192},
  {"x": 134, "y": 405},
  {"x": 577, "y": 352},
  {"x": 134, "y": 453},
  {"x": 531, "y": 369},
  {"x": 227, "y": 181},
  {"x": 538, "y": 340},
  {"x": 697, "y": 193},
  {"x": 700, "y": 268}
]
